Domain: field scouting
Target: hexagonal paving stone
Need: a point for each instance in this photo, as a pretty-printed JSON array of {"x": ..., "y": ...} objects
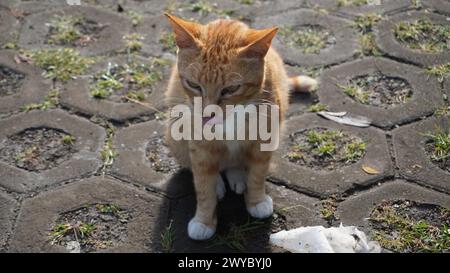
[
  {"x": 8, "y": 3},
  {"x": 441, "y": 6},
  {"x": 340, "y": 39},
  {"x": 144, "y": 159},
  {"x": 384, "y": 7},
  {"x": 261, "y": 8},
  {"x": 101, "y": 33},
  {"x": 125, "y": 6},
  {"x": 32, "y": 7},
  {"x": 320, "y": 181},
  {"x": 292, "y": 210},
  {"x": 7, "y": 206},
  {"x": 20, "y": 84},
  {"x": 158, "y": 37},
  {"x": 87, "y": 144},
  {"x": 39, "y": 214},
  {"x": 413, "y": 159},
  {"x": 77, "y": 93},
  {"x": 356, "y": 210},
  {"x": 388, "y": 43},
  {"x": 8, "y": 27},
  {"x": 206, "y": 11},
  {"x": 425, "y": 99}
]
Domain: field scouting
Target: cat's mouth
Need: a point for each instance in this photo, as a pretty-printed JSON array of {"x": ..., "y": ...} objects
[{"x": 211, "y": 120}]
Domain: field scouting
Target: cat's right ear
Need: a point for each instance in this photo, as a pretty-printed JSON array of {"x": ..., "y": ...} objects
[{"x": 185, "y": 32}]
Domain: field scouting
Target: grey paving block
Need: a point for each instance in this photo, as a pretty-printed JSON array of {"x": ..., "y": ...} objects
[
  {"x": 357, "y": 209},
  {"x": 344, "y": 48},
  {"x": 426, "y": 96},
  {"x": 380, "y": 7},
  {"x": 387, "y": 42},
  {"x": 38, "y": 215},
  {"x": 9, "y": 27},
  {"x": 7, "y": 207},
  {"x": 325, "y": 182},
  {"x": 109, "y": 39},
  {"x": 33, "y": 87},
  {"x": 133, "y": 164},
  {"x": 440, "y": 6},
  {"x": 261, "y": 8},
  {"x": 413, "y": 160},
  {"x": 8, "y": 3},
  {"x": 86, "y": 160},
  {"x": 33, "y": 7}
]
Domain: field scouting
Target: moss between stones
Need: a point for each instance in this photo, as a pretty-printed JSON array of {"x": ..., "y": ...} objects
[
  {"x": 129, "y": 81},
  {"x": 159, "y": 156},
  {"x": 92, "y": 227},
  {"x": 424, "y": 35},
  {"x": 133, "y": 42},
  {"x": 72, "y": 30},
  {"x": 438, "y": 147},
  {"x": 61, "y": 64},
  {"x": 325, "y": 148},
  {"x": 357, "y": 3},
  {"x": 310, "y": 39},
  {"x": 168, "y": 41},
  {"x": 378, "y": 90},
  {"x": 38, "y": 149},
  {"x": 440, "y": 71},
  {"x": 407, "y": 226},
  {"x": 364, "y": 24}
]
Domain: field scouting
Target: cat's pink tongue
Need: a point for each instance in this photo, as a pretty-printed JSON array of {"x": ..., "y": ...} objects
[{"x": 211, "y": 120}]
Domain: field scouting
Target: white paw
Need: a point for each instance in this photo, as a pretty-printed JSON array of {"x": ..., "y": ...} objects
[
  {"x": 220, "y": 188},
  {"x": 199, "y": 231},
  {"x": 237, "y": 178},
  {"x": 263, "y": 209}
]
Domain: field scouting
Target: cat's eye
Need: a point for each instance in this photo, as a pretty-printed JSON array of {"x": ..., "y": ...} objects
[
  {"x": 230, "y": 90},
  {"x": 193, "y": 86}
]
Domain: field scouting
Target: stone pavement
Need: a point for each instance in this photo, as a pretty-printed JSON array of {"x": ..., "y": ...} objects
[{"x": 70, "y": 152}]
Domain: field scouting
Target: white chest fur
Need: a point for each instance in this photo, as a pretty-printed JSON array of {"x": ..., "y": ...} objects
[{"x": 234, "y": 147}]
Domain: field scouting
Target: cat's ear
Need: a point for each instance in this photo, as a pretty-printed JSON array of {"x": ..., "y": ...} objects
[
  {"x": 185, "y": 32},
  {"x": 258, "y": 43}
]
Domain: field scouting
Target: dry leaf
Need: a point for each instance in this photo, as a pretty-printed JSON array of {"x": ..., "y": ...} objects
[
  {"x": 22, "y": 59},
  {"x": 370, "y": 170},
  {"x": 17, "y": 13},
  {"x": 17, "y": 59}
]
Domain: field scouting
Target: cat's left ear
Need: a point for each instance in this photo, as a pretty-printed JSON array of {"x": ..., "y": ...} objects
[
  {"x": 185, "y": 32},
  {"x": 259, "y": 42}
]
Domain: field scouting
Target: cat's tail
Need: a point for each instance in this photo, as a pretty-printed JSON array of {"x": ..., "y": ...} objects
[{"x": 302, "y": 84}]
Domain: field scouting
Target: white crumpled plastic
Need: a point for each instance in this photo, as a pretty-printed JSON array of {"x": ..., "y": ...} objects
[{"x": 318, "y": 239}]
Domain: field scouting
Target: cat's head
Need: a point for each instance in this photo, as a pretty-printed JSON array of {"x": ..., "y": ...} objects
[{"x": 223, "y": 61}]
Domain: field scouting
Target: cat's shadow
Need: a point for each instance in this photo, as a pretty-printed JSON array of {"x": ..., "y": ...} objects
[{"x": 236, "y": 230}]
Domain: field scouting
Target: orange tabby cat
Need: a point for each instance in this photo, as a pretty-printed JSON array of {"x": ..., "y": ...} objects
[{"x": 226, "y": 63}]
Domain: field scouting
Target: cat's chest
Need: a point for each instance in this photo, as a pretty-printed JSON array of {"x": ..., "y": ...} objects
[
  {"x": 235, "y": 156},
  {"x": 234, "y": 147}
]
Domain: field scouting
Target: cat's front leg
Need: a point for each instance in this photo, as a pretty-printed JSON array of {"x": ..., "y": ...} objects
[
  {"x": 258, "y": 203},
  {"x": 205, "y": 169}
]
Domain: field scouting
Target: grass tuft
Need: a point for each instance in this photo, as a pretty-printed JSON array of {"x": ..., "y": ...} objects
[
  {"x": 424, "y": 35},
  {"x": 61, "y": 64}
]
